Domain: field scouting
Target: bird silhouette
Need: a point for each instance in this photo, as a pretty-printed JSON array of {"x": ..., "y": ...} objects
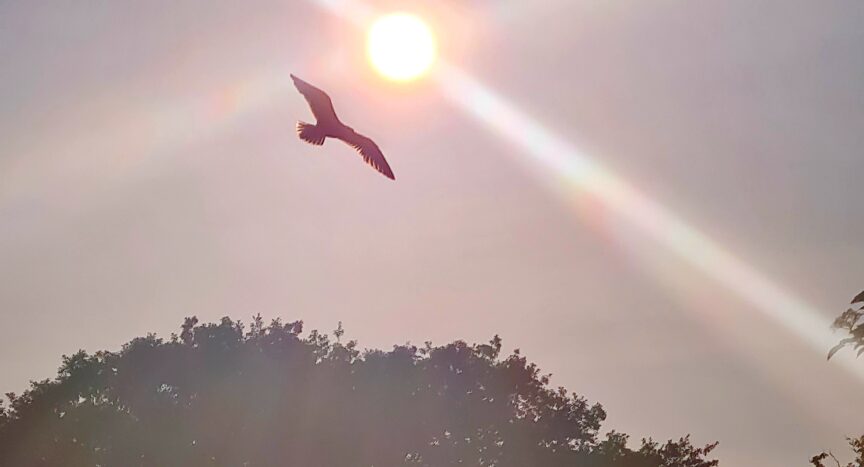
[{"x": 328, "y": 125}]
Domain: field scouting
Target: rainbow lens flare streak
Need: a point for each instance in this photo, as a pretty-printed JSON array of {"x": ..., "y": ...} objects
[
  {"x": 562, "y": 162},
  {"x": 565, "y": 163}
]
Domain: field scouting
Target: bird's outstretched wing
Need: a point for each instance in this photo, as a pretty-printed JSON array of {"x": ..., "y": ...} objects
[
  {"x": 319, "y": 101},
  {"x": 370, "y": 153}
]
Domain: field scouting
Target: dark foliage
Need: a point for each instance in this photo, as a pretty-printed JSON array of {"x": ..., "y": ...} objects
[
  {"x": 851, "y": 321},
  {"x": 220, "y": 395},
  {"x": 857, "y": 445}
]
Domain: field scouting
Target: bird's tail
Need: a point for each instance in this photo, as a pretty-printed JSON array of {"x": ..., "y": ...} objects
[{"x": 310, "y": 133}]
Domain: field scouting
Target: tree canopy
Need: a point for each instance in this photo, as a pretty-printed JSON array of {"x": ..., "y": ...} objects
[{"x": 222, "y": 394}]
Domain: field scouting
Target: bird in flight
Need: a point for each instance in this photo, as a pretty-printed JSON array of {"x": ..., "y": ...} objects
[{"x": 327, "y": 125}]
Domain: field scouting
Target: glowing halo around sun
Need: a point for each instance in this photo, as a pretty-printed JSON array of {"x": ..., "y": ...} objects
[{"x": 401, "y": 47}]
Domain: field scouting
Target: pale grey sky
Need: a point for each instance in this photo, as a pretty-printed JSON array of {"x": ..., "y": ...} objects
[{"x": 149, "y": 171}]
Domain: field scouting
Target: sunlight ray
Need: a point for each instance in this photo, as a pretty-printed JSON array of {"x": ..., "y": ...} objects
[
  {"x": 562, "y": 162},
  {"x": 565, "y": 163}
]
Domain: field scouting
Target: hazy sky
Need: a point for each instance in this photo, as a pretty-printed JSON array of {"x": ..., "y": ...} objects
[{"x": 149, "y": 171}]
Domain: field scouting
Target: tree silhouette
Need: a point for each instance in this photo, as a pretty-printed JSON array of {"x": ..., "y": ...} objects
[
  {"x": 857, "y": 445},
  {"x": 851, "y": 321},
  {"x": 219, "y": 394}
]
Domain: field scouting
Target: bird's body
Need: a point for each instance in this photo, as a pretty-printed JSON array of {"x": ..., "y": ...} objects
[{"x": 328, "y": 125}]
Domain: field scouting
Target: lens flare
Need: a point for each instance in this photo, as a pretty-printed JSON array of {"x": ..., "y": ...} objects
[
  {"x": 401, "y": 46},
  {"x": 560, "y": 161}
]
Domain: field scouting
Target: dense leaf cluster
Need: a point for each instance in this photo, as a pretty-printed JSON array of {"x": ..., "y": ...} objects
[
  {"x": 223, "y": 395},
  {"x": 851, "y": 321}
]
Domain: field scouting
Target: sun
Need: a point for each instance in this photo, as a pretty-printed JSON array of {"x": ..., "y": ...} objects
[{"x": 401, "y": 46}]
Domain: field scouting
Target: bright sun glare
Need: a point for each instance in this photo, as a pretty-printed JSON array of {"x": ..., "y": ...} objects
[{"x": 401, "y": 46}]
